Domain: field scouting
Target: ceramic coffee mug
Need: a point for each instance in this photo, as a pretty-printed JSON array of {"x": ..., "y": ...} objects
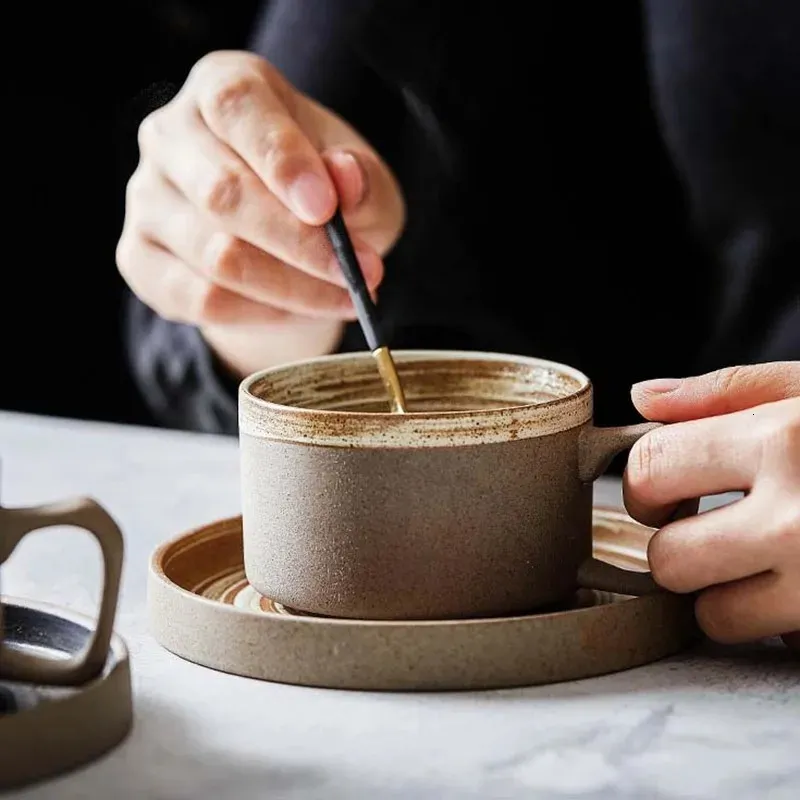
[
  {"x": 351, "y": 511},
  {"x": 15, "y": 524}
]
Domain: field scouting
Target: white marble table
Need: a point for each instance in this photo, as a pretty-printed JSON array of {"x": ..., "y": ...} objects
[{"x": 709, "y": 724}]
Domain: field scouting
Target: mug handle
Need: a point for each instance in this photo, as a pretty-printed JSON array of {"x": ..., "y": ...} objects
[
  {"x": 85, "y": 513},
  {"x": 596, "y": 449}
]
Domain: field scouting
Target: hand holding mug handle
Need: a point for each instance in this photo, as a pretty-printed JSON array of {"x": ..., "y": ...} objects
[
  {"x": 85, "y": 513},
  {"x": 597, "y": 448}
]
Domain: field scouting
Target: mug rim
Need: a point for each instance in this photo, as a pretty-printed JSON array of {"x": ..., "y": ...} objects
[{"x": 267, "y": 419}]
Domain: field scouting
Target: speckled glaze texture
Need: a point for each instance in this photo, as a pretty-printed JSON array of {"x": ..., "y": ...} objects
[
  {"x": 433, "y": 514},
  {"x": 312, "y": 402}
]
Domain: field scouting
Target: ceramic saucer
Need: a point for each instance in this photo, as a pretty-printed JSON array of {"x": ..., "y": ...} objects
[
  {"x": 45, "y": 731},
  {"x": 202, "y": 608}
]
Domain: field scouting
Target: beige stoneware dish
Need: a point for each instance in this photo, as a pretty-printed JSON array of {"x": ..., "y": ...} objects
[
  {"x": 202, "y": 608},
  {"x": 57, "y": 729}
]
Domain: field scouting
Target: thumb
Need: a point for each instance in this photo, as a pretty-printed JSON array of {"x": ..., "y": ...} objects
[
  {"x": 349, "y": 177},
  {"x": 369, "y": 195},
  {"x": 722, "y": 392}
]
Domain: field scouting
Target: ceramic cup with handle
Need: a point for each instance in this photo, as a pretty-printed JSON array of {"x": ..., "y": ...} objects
[
  {"x": 477, "y": 503},
  {"x": 15, "y": 524}
]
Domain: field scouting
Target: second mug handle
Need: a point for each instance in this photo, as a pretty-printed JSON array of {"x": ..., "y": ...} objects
[
  {"x": 596, "y": 450},
  {"x": 16, "y": 665}
]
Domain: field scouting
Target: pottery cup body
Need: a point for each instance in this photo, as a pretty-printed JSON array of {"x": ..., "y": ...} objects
[{"x": 352, "y": 511}]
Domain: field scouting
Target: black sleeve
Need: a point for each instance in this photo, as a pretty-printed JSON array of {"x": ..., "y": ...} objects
[
  {"x": 725, "y": 80},
  {"x": 178, "y": 376},
  {"x": 182, "y": 384}
]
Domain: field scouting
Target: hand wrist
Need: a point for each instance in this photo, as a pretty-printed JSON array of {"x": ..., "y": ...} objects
[{"x": 244, "y": 350}]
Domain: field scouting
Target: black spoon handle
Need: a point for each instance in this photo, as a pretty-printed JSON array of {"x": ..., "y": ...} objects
[{"x": 365, "y": 308}]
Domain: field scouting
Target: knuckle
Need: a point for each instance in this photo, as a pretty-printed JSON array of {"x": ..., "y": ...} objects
[
  {"x": 125, "y": 254},
  {"x": 133, "y": 189},
  {"x": 231, "y": 96},
  {"x": 136, "y": 187},
  {"x": 150, "y": 130},
  {"x": 222, "y": 61},
  {"x": 223, "y": 193},
  {"x": 727, "y": 380},
  {"x": 131, "y": 259},
  {"x": 212, "y": 304},
  {"x": 178, "y": 297},
  {"x": 281, "y": 146},
  {"x": 224, "y": 256},
  {"x": 205, "y": 65},
  {"x": 645, "y": 461}
]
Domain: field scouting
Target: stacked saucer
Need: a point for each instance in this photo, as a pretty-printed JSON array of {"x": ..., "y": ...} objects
[{"x": 47, "y": 730}]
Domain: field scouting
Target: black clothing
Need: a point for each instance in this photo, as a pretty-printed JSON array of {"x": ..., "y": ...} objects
[{"x": 614, "y": 186}]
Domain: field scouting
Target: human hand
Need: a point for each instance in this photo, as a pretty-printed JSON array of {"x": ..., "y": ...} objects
[
  {"x": 737, "y": 429},
  {"x": 236, "y": 174}
]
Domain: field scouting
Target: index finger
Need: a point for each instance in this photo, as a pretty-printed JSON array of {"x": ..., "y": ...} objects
[
  {"x": 246, "y": 104},
  {"x": 687, "y": 460},
  {"x": 722, "y": 392}
]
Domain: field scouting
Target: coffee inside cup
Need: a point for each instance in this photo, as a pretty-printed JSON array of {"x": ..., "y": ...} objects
[{"x": 432, "y": 385}]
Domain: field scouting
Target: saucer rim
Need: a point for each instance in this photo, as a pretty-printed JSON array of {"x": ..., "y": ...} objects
[
  {"x": 157, "y": 572},
  {"x": 417, "y": 656}
]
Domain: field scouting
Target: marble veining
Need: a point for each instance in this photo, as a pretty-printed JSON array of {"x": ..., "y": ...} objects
[{"x": 713, "y": 723}]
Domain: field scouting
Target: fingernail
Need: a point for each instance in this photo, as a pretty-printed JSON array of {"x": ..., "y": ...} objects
[
  {"x": 350, "y": 177},
  {"x": 370, "y": 263},
  {"x": 311, "y": 197},
  {"x": 657, "y": 385}
]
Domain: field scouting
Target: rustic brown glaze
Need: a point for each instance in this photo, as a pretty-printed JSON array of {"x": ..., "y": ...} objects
[{"x": 475, "y": 503}]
